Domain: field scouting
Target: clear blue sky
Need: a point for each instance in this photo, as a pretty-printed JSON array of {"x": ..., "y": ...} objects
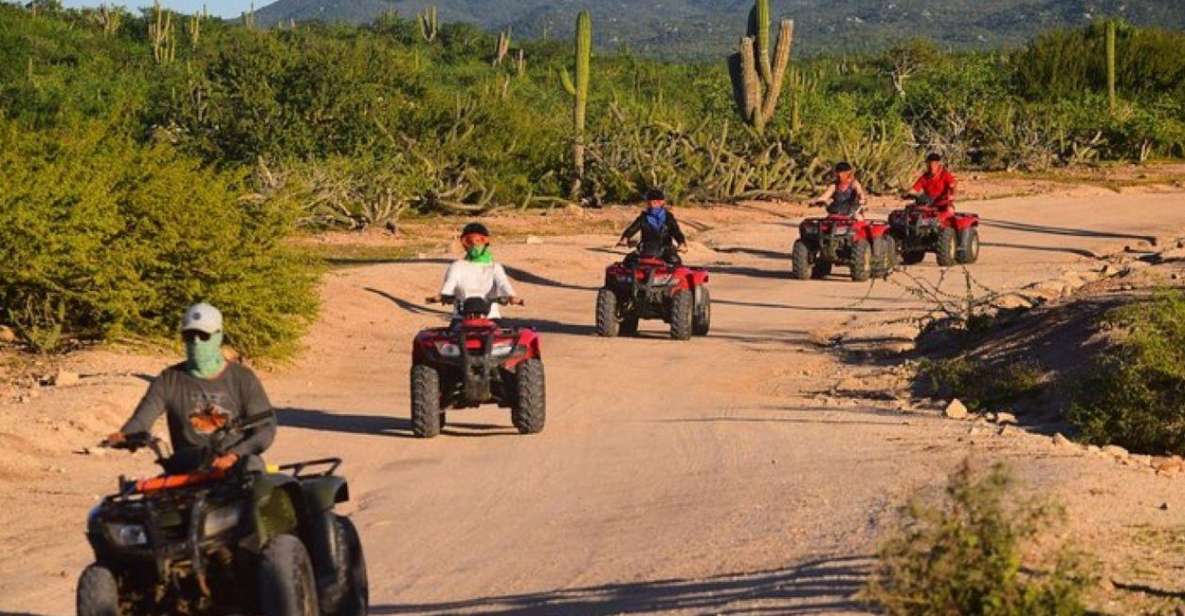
[{"x": 221, "y": 8}]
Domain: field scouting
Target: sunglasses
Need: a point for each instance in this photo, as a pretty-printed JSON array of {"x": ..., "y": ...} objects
[
  {"x": 191, "y": 335},
  {"x": 474, "y": 239}
]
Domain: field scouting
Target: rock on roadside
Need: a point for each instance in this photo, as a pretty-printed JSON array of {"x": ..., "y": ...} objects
[{"x": 956, "y": 410}]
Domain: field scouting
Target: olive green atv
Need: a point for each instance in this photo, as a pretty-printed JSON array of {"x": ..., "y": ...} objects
[{"x": 238, "y": 541}]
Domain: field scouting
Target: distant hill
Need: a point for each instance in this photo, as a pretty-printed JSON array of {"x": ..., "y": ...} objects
[{"x": 690, "y": 28}]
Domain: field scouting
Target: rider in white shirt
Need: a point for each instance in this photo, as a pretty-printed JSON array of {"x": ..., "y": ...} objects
[{"x": 476, "y": 275}]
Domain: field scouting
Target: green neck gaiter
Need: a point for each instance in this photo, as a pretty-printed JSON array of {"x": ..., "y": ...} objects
[
  {"x": 204, "y": 358},
  {"x": 479, "y": 254}
]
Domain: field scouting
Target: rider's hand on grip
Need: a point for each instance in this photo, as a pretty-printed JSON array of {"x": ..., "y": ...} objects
[
  {"x": 516, "y": 301},
  {"x": 223, "y": 463}
]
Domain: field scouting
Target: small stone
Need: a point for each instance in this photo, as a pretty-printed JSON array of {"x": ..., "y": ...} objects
[
  {"x": 1005, "y": 418},
  {"x": 391, "y": 227},
  {"x": 955, "y": 410},
  {"x": 1164, "y": 506},
  {"x": 1012, "y": 301},
  {"x": 1115, "y": 451},
  {"x": 1060, "y": 440},
  {"x": 1108, "y": 270},
  {"x": 65, "y": 378},
  {"x": 533, "y": 240},
  {"x": 7, "y": 336}
]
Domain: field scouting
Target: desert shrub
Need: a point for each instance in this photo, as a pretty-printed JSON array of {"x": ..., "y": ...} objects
[
  {"x": 1134, "y": 394},
  {"x": 965, "y": 553},
  {"x": 979, "y": 384},
  {"x": 101, "y": 238}
]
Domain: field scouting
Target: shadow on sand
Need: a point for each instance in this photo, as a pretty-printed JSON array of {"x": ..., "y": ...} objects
[
  {"x": 383, "y": 425},
  {"x": 815, "y": 587}
]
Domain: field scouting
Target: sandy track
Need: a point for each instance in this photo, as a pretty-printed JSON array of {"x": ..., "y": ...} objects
[{"x": 700, "y": 477}]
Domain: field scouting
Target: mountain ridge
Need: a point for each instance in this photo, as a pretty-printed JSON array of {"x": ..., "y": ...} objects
[{"x": 702, "y": 28}]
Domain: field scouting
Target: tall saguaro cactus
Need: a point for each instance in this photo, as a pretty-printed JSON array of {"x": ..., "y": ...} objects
[
  {"x": 503, "y": 47},
  {"x": 579, "y": 92},
  {"x": 1111, "y": 95},
  {"x": 428, "y": 24},
  {"x": 160, "y": 34},
  {"x": 757, "y": 78}
]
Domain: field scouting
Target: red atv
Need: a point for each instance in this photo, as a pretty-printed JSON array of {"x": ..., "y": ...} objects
[
  {"x": 650, "y": 288},
  {"x": 473, "y": 362},
  {"x": 922, "y": 227},
  {"x": 864, "y": 247}
]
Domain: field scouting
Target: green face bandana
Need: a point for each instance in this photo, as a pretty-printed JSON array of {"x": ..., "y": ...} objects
[
  {"x": 479, "y": 254},
  {"x": 204, "y": 357}
]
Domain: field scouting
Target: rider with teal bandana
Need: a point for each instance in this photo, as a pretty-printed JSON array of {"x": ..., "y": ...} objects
[{"x": 203, "y": 390}]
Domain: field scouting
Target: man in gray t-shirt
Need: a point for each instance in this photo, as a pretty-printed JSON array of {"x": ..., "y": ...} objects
[{"x": 202, "y": 393}]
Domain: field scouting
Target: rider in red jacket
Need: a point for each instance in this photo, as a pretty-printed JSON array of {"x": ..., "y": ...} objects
[{"x": 937, "y": 182}]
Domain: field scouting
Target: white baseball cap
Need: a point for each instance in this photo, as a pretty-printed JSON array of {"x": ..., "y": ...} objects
[{"x": 203, "y": 318}]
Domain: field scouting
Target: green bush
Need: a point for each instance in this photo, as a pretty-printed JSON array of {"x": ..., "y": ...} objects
[
  {"x": 101, "y": 238},
  {"x": 981, "y": 385},
  {"x": 1134, "y": 393},
  {"x": 964, "y": 554}
]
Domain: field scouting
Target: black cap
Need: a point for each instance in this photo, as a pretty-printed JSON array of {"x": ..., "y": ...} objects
[
  {"x": 475, "y": 305},
  {"x": 475, "y": 227},
  {"x": 842, "y": 166},
  {"x": 933, "y": 157},
  {"x": 655, "y": 194}
]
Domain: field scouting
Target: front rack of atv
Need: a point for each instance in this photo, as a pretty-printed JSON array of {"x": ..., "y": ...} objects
[{"x": 297, "y": 468}]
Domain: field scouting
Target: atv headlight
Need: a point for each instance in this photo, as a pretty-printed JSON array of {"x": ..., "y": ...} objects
[
  {"x": 220, "y": 520},
  {"x": 841, "y": 230},
  {"x": 127, "y": 535},
  {"x": 448, "y": 349},
  {"x": 502, "y": 350}
]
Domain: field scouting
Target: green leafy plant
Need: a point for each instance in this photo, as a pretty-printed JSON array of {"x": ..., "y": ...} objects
[
  {"x": 965, "y": 553},
  {"x": 101, "y": 238},
  {"x": 1134, "y": 394}
]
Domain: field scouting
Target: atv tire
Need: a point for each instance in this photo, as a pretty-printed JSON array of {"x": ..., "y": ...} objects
[
  {"x": 529, "y": 411},
  {"x": 702, "y": 321},
  {"x": 968, "y": 251},
  {"x": 608, "y": 325},
  {"x": 286, "y": 583},
  {"x": 800, "y": 261},
  {"x": 682, "y": 315},
  {"x": 347, "y": 592},
  {"x": 884, "y": 253},
  {"x": 862, "y": 261},
  {"x": 98, "y": 592},
  {"x": 426, "y": 414},
  {"x": 945, "y": 248}
]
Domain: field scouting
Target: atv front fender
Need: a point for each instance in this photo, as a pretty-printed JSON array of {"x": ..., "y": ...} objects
[{"x": 322, "y": 493}]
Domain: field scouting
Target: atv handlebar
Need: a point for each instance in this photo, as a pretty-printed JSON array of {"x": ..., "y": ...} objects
[
  {"x": 451, "y": 300},
  {"x": 132, "y": 442}
]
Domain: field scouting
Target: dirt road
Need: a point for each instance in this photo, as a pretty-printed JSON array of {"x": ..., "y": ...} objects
[{"x": 723, "y": 475}]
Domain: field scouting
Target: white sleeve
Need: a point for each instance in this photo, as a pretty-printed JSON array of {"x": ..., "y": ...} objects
[
  {"x": 451, "y": 280},
  {"x": 502, "y": 286}
]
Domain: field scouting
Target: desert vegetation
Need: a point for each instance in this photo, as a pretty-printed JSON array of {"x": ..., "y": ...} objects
[
  {"x": 979, "y": 547},
  {"x": 152, "y": 117}
]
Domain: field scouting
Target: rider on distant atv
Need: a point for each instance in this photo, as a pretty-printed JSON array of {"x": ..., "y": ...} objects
[
  {"x": 844, "y": 197},
  {"x": 661, "y": 235},
  {"x": 938, "y": 184},
  {"x": 476, "y": 275},
  {"x": 200, "y": 395}
]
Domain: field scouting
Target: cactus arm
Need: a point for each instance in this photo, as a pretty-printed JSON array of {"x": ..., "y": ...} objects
[
  {"x": 751, "y": 84},
  {"x": 782, "y": 60},
  {"x": 763, "y": 61}
]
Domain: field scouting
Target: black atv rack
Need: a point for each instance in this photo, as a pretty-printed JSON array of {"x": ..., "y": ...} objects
[{"x": 297, "y": 467}]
